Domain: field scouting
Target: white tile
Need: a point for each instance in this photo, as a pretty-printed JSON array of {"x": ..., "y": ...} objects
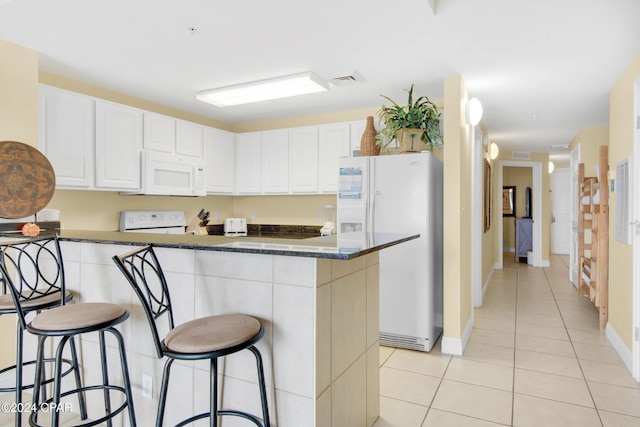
[
  {"x": 438, "y": 418},
  {"x": 549, "y": 363},
  {"x": 397, "y": 413},
  {"x": 293, "y": 311},
  {"x": 348, "y": 396},
  {"x": 536, "y": 412},
  {"x": 474, "y": 401},
  {"x": 252, "y": 267},
  {"x": 480, "y": 373},
  {"x": 613, "y": 398},
  {"x": 178, "y": 261},
  {"x": 298, "y": 271},
  {"x": 553, "y": 387},
  {"x": 419, "y": 362},
  {"x": 408, "y": 386},
  {"x": 348, "y": 321}
]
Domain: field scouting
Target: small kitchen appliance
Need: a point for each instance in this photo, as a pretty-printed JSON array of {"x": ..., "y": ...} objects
[
  {"x": 329, "y": 226},
  {"x": 158, "y": 222},
  {"x": 235, "y": 227}
]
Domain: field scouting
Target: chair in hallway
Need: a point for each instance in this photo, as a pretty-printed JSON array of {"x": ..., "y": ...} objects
[
  {"x": 37, "y": 266},
  {"x": 206, "y": 338},
  {"x": 63, "y": 323}
]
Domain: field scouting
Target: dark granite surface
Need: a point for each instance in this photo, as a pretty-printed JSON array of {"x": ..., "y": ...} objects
[{"x": 344, "y": 248}]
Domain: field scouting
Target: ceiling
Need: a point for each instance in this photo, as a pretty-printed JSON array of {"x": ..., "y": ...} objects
[{"x": 542, "y": 69}]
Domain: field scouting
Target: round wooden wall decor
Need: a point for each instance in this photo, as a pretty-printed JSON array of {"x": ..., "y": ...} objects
[{"x": 27, "y": 180}]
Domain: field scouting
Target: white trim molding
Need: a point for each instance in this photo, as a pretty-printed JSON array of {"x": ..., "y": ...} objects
[{"x": 456, "y": 346}]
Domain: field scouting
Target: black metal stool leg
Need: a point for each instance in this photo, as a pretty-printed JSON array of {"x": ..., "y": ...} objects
[
  {"x": 19, "y": 334},
  {"x": 125, "y": 375},
  {"x": 213, "y": 393},
  {"x": 57, "y": 383},
  {"x": 105, "y": 377},
  {"x": 76, "y": 368},
  {"x": 162, "y": 400},
  {"x": 263, "y": 387}
]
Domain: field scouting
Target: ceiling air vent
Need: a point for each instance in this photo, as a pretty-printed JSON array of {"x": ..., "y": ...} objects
[
  {"x": 521, "y": 155},
  {"x": 353, "y": 79}
]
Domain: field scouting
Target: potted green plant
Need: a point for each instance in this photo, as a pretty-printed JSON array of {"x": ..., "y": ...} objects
[{"x": 411, "y": 125}]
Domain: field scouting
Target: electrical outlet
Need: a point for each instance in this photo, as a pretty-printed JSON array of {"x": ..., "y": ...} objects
[
  {"x": 252, "y": 216},
  {"x": 217, "y": 216},
  {"x": 319, "y": 216},
  {"x": 147, "y": 386}
]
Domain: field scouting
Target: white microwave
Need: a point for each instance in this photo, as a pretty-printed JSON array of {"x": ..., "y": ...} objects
[{"x": 172, "y": 175}]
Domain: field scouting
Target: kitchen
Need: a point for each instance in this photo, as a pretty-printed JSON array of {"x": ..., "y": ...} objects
[{"x": 99, "y": 210}]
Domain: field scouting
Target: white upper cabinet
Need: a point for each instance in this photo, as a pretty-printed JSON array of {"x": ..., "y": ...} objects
[
  {"x": 159, "y": 132},
  {"x": 303, "y": 160},
  {"x": 357, "y": 129},
  {"x": 189, "y": 139},
  {"x": 334, "y": 143},
  {"x": 118, "y": 146},
  {"x": 248, "y": 163},
  {"x": 275, "y": 161},
  {"x": 66, "y": 135},
  {"x": 219, "y": 149}
]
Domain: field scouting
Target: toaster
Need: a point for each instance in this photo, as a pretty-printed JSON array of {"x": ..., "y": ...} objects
[{"x": 235, "y": 227}]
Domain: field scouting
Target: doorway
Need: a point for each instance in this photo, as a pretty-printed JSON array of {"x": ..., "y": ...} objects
[
  {"x": 536, "y": 168},
  {"x": 560, "y": 211},
  {"x": 635, "y": 222}
]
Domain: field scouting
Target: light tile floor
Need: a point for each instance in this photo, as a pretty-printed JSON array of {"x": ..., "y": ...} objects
[{"x": 535, "y": 357}]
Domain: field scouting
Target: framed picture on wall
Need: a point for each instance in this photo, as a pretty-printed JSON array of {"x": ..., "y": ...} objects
[
  {"x": 509, "y": 200},
  {"x": 487, "y": 195}
]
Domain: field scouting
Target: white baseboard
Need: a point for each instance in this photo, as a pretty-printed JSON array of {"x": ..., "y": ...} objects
[
  {"x": 620, "y": 347},
  {"x": 545, "y": 263},
  {"x": 456, "y": 346}
]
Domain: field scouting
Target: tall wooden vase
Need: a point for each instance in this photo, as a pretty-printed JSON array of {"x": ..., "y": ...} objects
[{"x": 368, "y": 146}]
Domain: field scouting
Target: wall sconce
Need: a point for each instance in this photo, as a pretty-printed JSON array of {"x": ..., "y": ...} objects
[
  {"x": 494, "y": 150},
  {"x": 551, "y": 167},
  {"x": 474, "y": 111}
]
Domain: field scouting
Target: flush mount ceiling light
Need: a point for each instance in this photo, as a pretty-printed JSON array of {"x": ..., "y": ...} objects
[
  {"x": 280, "y": 87},
  {"x": 474, "y": 111}
]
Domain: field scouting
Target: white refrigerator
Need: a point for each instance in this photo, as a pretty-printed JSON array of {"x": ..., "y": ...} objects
[{"x": 399, "y": 194}]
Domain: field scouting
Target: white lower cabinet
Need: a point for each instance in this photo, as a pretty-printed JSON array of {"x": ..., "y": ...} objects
[
  {"x": 248, "y": 163},
  {"x": 334, "y": 143},
  {"x": 66, "y": 135},
  {"x": 303, "y": 160},
  {"x": 118, "y": 146},
  {"x": 275, "y": 161},
  {"x": 220, "y": 154}
]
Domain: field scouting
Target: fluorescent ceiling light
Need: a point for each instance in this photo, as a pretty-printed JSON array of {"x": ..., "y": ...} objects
[{"x": 280, "y": 87}]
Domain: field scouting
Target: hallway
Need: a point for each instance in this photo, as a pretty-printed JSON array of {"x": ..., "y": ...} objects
[{"x": 535, "y": 358}]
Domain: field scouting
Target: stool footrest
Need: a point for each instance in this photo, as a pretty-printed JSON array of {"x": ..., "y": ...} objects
[
  {"x": 33, "y": 362},
  {"x": 240, "y": 414}
]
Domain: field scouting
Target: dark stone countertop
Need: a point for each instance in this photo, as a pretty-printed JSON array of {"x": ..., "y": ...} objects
[{"x": 344, "y": 247}]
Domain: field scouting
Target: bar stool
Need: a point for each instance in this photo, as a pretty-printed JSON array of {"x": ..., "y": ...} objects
[
  {"x": 65, "y": 322},
  {"x": 42, "y": 289},
  {"x": 200, "y": 339}
]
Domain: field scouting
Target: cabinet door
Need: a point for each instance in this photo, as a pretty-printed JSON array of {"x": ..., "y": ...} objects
[
  {"x": 159, "y": 132},
  {"x": 303, "y": 160},
  {"x": 248, "y": 163},
  {"x": 189, "y": 139},
  {"x": 66, "y": 135},
  {"x": 275, "y": 162},
  {"x": 118, "y": 146},
  {"x": 219, "y": 149},
  {"x": 357, "y": 129},
  {"x": 334, "y": 143}
]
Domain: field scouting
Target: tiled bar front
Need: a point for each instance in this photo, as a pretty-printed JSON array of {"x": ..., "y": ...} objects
[{"x": 320, "y": 347}]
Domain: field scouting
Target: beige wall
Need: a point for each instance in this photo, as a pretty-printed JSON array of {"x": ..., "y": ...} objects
[
  {"x": 457, "y": 209},
  {"x": 18, "y": 122},
  {"x": 621, "y": 125},
  {"x": 590, "y": 140}
]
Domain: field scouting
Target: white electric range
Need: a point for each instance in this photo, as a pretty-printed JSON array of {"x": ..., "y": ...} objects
[{"x": 158, "y": 222}]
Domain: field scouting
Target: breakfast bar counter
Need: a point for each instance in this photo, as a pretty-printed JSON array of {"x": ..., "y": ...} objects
[{"x": 317, "y": 298}]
